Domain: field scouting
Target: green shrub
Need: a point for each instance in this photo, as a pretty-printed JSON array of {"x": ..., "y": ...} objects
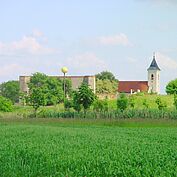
[
  {"x": 122, "y": 102},
  {"x": 145, "y": 104},
  {"x": 161, "y": 104},
  {"x": 175, "y": 100},
  {"x": 131, "y": 101},
  {"x": 100, "y": 105},
  {"x": 5, "y": 105},
  {"x": 68, "y": 104}
]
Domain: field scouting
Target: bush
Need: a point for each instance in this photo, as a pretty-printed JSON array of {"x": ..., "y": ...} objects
[
  {"x": 100, "y": 105},
  {"x": 5, "y": 105},
  {"x": 122, "y": 102},
  {"x": 145, "y": 104},
  {"x": 175, "y": 100},
  {"x": 131, "y": 101},
  {"x": 161, "y": 104},
  {"x": 68, "y": 104}
]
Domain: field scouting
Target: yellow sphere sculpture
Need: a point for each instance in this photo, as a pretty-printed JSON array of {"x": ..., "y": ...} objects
[{"x": 64, "y": 70}]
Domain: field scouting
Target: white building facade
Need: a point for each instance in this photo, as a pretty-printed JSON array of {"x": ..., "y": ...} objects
[{"x": 154, "y": 77}]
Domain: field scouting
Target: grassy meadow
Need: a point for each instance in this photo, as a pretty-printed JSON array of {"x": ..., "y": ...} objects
[
  {"x": 73, "y": 147},
  {"x": 168, "y": 99}
]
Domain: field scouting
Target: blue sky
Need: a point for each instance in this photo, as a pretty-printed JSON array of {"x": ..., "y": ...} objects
[{"x": 88, "y": 37}]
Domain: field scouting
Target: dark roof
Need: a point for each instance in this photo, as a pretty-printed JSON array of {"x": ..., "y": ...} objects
[
  {"x": 154, "y": 65},
  {"x": 126, "y": 86}
]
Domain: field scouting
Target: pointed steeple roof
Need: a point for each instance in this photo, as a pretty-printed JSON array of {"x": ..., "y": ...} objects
[{"x": 153, "y": 65}]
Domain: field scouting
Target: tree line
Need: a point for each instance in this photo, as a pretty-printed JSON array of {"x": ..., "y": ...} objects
[{"x": 46, "y": 91}]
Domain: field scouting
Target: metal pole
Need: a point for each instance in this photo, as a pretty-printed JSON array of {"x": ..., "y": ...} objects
[{"x": 64, "y": 88}]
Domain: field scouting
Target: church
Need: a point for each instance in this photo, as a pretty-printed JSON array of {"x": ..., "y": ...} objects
[{"x": 152, "y": 85}]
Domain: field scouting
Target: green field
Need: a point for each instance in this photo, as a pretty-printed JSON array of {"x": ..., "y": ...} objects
[
  {"x": 53, "y": 147},
  {"x": 168, "y": 99}
]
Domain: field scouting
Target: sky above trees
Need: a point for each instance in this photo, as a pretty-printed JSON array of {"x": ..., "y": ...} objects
[{"x": 88, "y": 37}]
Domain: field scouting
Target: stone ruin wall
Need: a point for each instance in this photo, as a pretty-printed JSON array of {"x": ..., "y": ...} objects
[{"x": 75, "y": 80}]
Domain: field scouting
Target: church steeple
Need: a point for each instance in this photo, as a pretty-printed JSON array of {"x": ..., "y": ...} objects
[
  {"x": 153, "y": 65},
  {"x": 154, "y": 77}
]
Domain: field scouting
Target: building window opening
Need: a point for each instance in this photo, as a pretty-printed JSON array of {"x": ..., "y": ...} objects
[{"x": 152, "y": 77}]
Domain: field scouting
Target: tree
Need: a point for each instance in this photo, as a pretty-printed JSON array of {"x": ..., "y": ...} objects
[
  {"x": 37, "y": 98},
  {"x": 122, "y": 102},
  {"x": 75, "y": 102},
  {"x": 85, "y": 96},
  {"x": 106, "y": 83},
  {"x": 10, "y": 90},
  {"x": 54, "y": 91},
  {"x": 106, "y": 75},
  {"x": 44, "y": 90},
  {"x": 171, "y": 87},
  {"x": 106, "y": 87},
  {"x": 5, "y": 104}
]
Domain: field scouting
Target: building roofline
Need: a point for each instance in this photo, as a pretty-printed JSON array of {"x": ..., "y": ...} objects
[
  {"x": 132, "y": 81},
  {"x": 65, "y": 76}
]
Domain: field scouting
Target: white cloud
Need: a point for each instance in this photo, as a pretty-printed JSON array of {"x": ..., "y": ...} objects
[
  {"x": 86, "y": 63},
  {"x": 119, "y": 39},
  {"x": 27, "y": 45},
  {"x": 166, "y": 62}
]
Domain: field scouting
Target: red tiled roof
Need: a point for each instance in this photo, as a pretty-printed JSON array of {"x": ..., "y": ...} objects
[{"x": 126, "y": 86}]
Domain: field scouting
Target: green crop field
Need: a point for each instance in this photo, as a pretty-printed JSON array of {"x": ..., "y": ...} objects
[{"x": 51, "y": 147}]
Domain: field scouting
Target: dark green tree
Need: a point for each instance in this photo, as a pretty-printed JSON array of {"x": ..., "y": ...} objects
[
  {"x": 5, "y": 104},
  {"x": 106, "y": 75},
  {"x": 85, "y": 96},
  {"x": 75, "y": 101},
  {"x": 171, "y": 87},
  {"x": 10, "y": 90},
  {"x": 44, "y": 90},
  {"x": 54, "y": 91},
  {"x": 122, "y": 102}
]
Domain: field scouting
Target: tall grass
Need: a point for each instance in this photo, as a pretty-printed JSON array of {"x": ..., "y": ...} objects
[{"x": 131, "y": 113}]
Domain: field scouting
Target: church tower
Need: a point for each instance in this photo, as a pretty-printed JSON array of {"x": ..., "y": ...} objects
[{"x": 154, "y": 77}]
